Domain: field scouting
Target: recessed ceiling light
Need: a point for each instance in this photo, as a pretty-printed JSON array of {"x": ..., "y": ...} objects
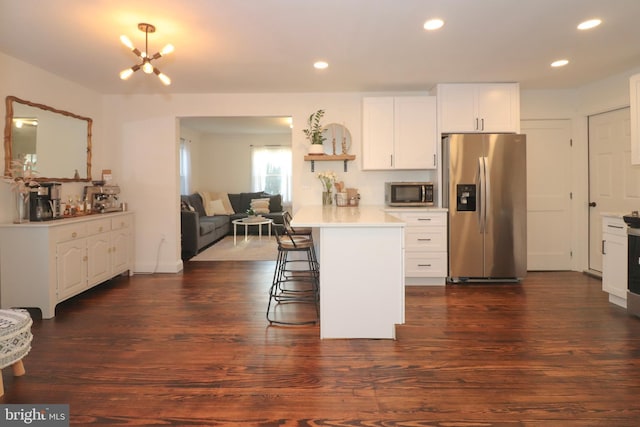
[
  {"x": 560, "y": 63},
  {"x": 591, "y": 23},
  {"x": 320, "y": 65},
  {"x": 433, "y": 24}
]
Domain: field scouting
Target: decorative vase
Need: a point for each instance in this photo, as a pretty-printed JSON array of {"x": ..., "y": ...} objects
[
  {"x": 326, "y": 198},
  {"x": 21, "y": 209},
  {"x": 316, "y": 149}
]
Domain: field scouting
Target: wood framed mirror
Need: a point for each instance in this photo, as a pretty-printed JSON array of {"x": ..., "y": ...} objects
[{"x": 57, "y": 143}]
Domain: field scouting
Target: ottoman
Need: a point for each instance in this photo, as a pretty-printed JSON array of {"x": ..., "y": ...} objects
[{"x": 15, "y": 341}]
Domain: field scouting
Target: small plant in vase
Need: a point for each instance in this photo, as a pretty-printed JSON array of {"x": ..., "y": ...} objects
[
  {"x": 327, "y": 179},
  {"x": 251, "y": 213},
  {"x": 314, "y": 132}
]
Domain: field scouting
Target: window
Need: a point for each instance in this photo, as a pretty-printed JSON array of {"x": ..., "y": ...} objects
[
  {"x": 185, "y": 165},
  {"x": 271, "y": 171}
]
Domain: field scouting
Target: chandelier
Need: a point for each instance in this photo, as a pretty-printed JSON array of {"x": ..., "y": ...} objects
[{"x": 146, "y": 65}]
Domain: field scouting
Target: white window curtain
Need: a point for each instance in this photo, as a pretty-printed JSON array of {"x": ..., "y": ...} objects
[
  {"x": 271, "y": 170},
  {"x": 185, "y": 166}
]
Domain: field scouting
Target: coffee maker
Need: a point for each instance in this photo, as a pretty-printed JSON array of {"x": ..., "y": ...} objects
[
  {"x": 103, "y": 198},
  {"x": 44, "y": 202}
]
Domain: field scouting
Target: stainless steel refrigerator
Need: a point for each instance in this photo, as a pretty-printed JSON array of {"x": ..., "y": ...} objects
[{"x": 485, "y": 190}]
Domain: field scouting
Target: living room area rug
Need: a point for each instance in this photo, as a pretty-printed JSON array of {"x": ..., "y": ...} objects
[{"x": 253, "y": 249}]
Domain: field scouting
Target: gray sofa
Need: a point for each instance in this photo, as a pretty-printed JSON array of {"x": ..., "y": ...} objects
[{"x": 199, "y": 230}]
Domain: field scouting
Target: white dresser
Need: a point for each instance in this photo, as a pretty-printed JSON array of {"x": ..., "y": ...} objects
[
  {"x": 44, "y": 263},
  {"x": 425, "y": 253},
  {"x": 614, "y": 258}
]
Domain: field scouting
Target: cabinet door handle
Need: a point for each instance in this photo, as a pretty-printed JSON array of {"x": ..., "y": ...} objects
[
  {"x": 603, "y": 252},
  {"x": 615, "y": 226},
  {"x": 424, "y": 219},
  {"x": 482, "y": 122},
  {"x": 424, "y": 265},
  {"x": 477, "y": 128},
  {"x": 434, "y": 160},
  {"x": 424, "y": 240}
]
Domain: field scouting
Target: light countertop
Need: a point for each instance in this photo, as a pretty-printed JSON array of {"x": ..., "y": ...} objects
[{"x": 333, "y": 216}]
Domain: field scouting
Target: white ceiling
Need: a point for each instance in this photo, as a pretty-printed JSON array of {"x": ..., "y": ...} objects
[{"x": 252, "y": 46}]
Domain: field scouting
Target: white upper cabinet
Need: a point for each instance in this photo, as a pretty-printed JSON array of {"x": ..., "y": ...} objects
[
  {"x": 483, "y": 107},
  {"x": 399, "y": 133},
  {"x": 634, "y": 96}
]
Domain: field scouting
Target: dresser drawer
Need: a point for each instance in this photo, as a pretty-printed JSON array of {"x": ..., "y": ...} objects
[
  {"x": 70, "y": 232},
  {"x": 425, "y": 264},
  {"x": 614, "y": 225},
  {"x": 98, "y": 226},
  {"x": 432, "y": 239},
  {"x": 121, "y": 222},
  {"x": 423, "y": 218}
]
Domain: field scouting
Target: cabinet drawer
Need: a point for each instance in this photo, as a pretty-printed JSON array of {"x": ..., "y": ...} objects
[
  {"x": 425, "y": 264},
  {"x": 121, "y": 222},
  {"x": 433, "y": 239},
  {"x": 614, "y": 226},
  {"x": 99, "y": 226},
  {"x": 422, "y": 218},
  {"x": 70, "y": 232}
]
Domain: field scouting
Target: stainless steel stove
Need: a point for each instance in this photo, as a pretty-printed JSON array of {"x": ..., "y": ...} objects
[{"x": 633, "y": 265}]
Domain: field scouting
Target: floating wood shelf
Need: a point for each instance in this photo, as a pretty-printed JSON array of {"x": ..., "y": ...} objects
[{"x": 329, "y": 158}]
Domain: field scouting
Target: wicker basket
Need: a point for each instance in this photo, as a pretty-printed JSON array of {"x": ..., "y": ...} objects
[{"x": 343, "y": 201}]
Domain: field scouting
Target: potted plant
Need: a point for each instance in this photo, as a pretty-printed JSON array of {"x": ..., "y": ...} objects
[{"x": 314, "y": 133}]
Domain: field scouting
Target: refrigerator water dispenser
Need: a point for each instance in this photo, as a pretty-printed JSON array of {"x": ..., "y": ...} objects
[{"x": 466, "y": 197}]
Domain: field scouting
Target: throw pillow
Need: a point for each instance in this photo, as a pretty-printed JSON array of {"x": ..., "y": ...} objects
[
  {"x": 206, "y": 201},
  {"x": 217, "y": 207},
  {"x": 260, "y": 206},
  {"x": 224, "y": 198}
]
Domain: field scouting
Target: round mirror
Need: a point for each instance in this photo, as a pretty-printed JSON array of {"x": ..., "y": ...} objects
[{"x": 337, "y": 139}]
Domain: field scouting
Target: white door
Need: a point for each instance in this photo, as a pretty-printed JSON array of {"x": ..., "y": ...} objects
[
  {"x": 548, "y": 194},
  {"x": 614, "y": 184}
]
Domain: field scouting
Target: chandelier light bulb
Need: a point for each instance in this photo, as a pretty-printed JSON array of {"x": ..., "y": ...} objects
[
  {"x": 125, "y": 74},
  {"x": 164, "y": 79},
  {"x": 167, "y": 49},
  {"x": 125, "y": 41},
  {"x": 147, "y": 67}
]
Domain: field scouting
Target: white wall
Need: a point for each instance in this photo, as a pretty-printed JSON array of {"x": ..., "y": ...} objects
[
  {"x": 224, "y": 160},
  {"x": 576, "y": 105}
]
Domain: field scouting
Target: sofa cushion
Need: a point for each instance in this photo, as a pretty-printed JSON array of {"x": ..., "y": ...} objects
[
  {"x": 218, "y": 220},
  {"x": 234, "y": 199},
  {"x": 195, "y": 201},
  {"x": 275, "y": 203}
]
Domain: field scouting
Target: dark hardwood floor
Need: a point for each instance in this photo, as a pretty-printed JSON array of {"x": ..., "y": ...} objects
[{"x": 195, "y": 349}]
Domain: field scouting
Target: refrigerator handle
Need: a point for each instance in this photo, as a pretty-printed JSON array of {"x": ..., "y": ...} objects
[
  {"x": 487, "y": 191},
  {"x": 480, "y": 190}
]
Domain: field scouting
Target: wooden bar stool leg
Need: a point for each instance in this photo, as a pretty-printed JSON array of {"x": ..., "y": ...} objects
[
  {"x": 1, "y": 384},
  {"x": 18, "y": 368}
]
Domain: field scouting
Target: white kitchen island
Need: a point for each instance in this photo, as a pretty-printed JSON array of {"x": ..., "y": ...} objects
[{"x": 361, "y": 255}]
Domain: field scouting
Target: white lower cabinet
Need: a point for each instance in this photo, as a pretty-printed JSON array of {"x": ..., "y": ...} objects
[
  {"x": 43, "y": 264},
  {"x": 425, "y": 245},
  {"x": 614, "y": 259}
]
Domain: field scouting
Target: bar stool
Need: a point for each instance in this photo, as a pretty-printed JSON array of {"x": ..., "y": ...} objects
[
  {"x": 297, "y": 231},
  {"x": 295, "y": 281}
]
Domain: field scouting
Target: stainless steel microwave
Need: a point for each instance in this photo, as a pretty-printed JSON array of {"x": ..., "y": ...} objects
[{"x": 409, "y": 193}]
